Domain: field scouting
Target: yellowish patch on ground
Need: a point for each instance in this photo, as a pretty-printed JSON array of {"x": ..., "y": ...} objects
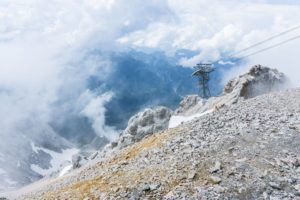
[
  {"x": 153, "y": 141},
  {"x": 111, "y": 183},
  {"x": 116, "y": 180},
  {"x": 120, "y": 180}
]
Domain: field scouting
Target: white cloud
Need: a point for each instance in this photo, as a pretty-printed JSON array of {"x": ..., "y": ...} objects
[
  {"x": 92, "y": 107},
  {"x": 44, "y": 47},
  {"x": 94, "y": 110},
  {"x": 216, "y": 28}
]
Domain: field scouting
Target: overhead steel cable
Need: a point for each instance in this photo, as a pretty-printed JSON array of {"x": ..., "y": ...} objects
[
  {"x": 260, "y": 43},
  {"x": 271, "y": 47},
  {"x": 266, "y": 40}
]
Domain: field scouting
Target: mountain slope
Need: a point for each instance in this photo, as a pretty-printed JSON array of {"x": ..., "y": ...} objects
[
  {"x": 136, "y": 80},
  {"x": 30, "y": 158},
  {"x": 248, "y": 150}
]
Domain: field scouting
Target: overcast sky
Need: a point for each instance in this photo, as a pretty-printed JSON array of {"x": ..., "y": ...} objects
[{"x": 37, "y": 37}]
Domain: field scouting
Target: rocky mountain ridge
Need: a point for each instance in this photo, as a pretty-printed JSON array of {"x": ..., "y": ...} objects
[
  {"x": 242, "y": 150},
  {"x": 153, "y": 120},
  {"x": 38, "y": 157},
  {"x": 249, "y": 150}
]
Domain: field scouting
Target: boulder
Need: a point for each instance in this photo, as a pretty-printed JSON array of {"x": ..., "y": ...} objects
[
  {"x": 259, "y": 80},
  {"x": 188, "y": 102},
  {"x": 78, "y": 161},
  {"x": 145, "y": 123}
]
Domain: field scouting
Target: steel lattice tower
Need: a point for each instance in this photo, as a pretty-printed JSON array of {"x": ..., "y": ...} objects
[{"x": 202, "y": 71}]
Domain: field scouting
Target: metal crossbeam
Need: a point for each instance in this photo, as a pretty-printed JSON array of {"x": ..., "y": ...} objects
[{"x": 202, "y": 71}]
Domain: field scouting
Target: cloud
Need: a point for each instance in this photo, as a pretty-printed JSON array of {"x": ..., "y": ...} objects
[
  {"x": 94, "y": 110},
  {"x": 218, "y": 28},
  {"x": 46, "y": 47}
]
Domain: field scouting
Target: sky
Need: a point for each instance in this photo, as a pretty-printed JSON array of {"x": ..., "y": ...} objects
[
  {"x": 217, "y": 29},
  {"x": 43, "y": 42}
]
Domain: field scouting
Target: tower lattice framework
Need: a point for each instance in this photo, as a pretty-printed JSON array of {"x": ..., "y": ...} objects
[{"x": 202, "y": 72}]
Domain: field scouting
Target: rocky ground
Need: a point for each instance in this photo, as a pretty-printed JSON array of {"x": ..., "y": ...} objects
[
  {"x": 248, "y": 150},
  {"x": 245, "y": 147}
]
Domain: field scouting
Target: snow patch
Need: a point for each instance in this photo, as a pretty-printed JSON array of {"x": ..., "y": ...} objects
[
  {"x": 177, "y": 119},
  {"x": 56, "y": 161},
  {"x": 34, "y": 148},
  {"x": 65, "y": 170}
]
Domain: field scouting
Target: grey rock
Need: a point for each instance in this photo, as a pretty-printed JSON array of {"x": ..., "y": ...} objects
[
  {"x": 275, "y": 185},
  {"x": 78, "y": 161},
  {"x": 192, "y": 175},
  {"x": 187, "y": 103},
  {"x": 146, "y": 188},
  {"x": 297, "y": 187},
  {"x": 145, "y": 123},
  {"x": 215, "y": 168},
  {"x": 259, "y": 80},
  {"x": 154, "y": 186},
  {"x": 94, "y": 155},
  {"x": 215, "y": 179}
]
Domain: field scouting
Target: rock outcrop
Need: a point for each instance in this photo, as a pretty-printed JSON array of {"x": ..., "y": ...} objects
[
  {"x": 78, "y": 161},
  {"x": 141, "y": 125},
  {"x": 189, "y": 102},
  {"x": 259, "y": 80},
  {"x": 144, "y": 123}
]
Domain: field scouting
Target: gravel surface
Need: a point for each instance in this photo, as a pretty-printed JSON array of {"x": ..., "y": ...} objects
[{"x": 248, "y": 150}]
